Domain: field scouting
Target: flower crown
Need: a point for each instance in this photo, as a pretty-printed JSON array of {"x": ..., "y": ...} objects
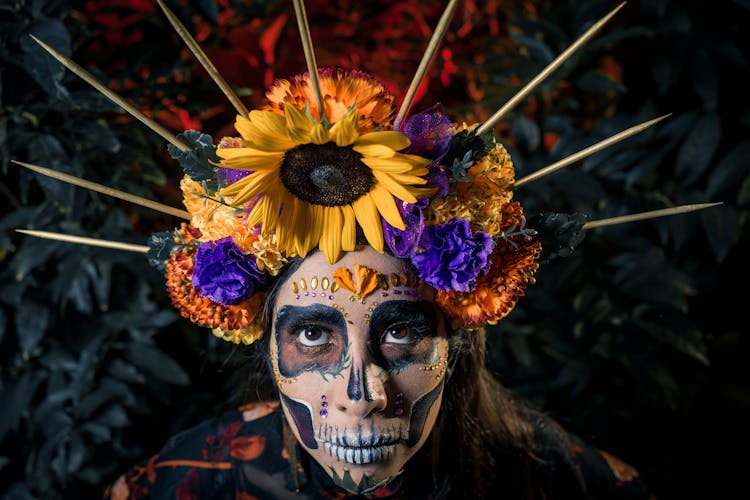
[{"x": 432, "y": 192}]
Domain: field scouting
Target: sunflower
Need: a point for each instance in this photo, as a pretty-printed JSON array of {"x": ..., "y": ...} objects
[{"x": 315, "y": 182}]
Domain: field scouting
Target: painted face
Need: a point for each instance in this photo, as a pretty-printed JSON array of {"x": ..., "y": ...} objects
[{"x": 360, "y": 377}]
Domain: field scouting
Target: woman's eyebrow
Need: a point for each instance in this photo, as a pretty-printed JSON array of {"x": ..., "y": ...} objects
[
  {"x": 313, "y": 313},
  {"x": 394, "y": 311}
]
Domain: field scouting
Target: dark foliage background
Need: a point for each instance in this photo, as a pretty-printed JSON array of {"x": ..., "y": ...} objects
[{"x": 636, "y": 342}]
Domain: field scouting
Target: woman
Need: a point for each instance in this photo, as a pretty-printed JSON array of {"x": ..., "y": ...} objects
[{"x": 378, "y": 397}]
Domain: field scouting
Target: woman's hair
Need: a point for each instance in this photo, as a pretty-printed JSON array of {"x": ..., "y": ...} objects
[{"x": 481, "y": 438}]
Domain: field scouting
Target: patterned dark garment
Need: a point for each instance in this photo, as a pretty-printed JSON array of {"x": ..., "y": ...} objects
[{"x": 250, "y": 454}]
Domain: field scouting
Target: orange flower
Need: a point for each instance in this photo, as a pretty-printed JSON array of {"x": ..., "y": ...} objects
[
  {"x": 481, "y": 200},
  {"x": 341, "y": 90},
  {"x": 215, "y": 220},
  {"x": 239, "y": 323}
]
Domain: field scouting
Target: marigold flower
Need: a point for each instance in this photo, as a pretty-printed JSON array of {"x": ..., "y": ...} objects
[{"x": 341, "y": 89}]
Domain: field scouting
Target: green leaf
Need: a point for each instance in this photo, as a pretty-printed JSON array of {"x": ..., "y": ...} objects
[
  {"x": 195, "y": 162},
  {"x": 160, "y": 249}
]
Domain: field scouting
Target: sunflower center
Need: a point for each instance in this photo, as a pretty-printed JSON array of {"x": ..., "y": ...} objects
[{"x": 326, "y": 174}]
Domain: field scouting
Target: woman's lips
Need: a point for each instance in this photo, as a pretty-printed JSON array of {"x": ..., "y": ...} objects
[
  {"x": 363, "y": 446},
  {"x": 360, "y": 455}
]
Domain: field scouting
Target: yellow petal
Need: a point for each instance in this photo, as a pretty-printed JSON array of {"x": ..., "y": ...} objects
[
  {"x": 286, "y": 225},
  {"x": 267, "y": 161},
  {"x": 320, "y": 134},
  {"x": 265, "y": 130},
  {"x": 391, "y": 138},
  {"x": 344, "y": 132},
  {"x": 248, "y": 187},
  {"x": 369, "y": 221},
  {"x": 349, "y": 233},
  {"x": 392, "y": 166},
  {"x": 265, "y": 212},
  {"x": 386, "y": 206},
  {"x": 408, "y": 179},
  {"x": 374, "y": 151},
  {"x": 313, "y": 227},
  {"x": 298, "y": 124},
  {"x": 396, "y": 189},
  {"x": 330, "y": 240}
]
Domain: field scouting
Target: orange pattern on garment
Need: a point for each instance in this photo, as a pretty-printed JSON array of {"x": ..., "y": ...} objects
[
  {"x": 622, "y": 471},
  {"x": 247, "y": 447}
]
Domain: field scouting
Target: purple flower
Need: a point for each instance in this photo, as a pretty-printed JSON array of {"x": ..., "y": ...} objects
[
  {"x": 224, "y": 274},
  {"x": 430, "y": 132},
  {"x": 227, "y": 176},
  {"x": 453, "y": 257},
  {"x": 403, "y": 242}
]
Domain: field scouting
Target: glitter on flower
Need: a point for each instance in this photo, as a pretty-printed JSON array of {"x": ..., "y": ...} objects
[
  {"x": 244, "y": 317},
  {"x": 224, "y": 274},
  {"x": 341, "y": 89},
  {"x": 513, "y": 264},
  {"x": 314, "y": 182},
  {"x": 451, "y": 256}
]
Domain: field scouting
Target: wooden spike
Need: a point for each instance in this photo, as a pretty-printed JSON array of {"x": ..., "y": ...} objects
[
  {"x": 653, "y": 214},
  {"x": 508, "y": 106},
  {"x": 112, "y": 96},
  {"x": 99, "y": 188},
  {"x": 307, "y": 46},
  {"x": 585, "y": 153},
  {"x": 432, "y": 46},
  {"x": 80, "y": 240},
  {"x": 203, "y": 59}
]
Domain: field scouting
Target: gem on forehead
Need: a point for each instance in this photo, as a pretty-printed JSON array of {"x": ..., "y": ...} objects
[
  {"x": 314, "y": 282},
  {"x": 324, "y": 413},
  {"x": 324, "y": 283},
  {"x": 303, "y": 283}
]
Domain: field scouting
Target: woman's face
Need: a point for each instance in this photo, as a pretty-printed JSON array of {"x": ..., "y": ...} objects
[{"x": 360, "y": 379}]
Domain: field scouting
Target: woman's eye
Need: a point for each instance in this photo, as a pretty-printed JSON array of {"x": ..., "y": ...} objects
[
  {"x": 397, "y": 335},
  {"x": 313, "y": 336}
]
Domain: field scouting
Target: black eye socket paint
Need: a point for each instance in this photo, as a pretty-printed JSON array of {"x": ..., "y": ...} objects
[
  {"x": 294, "y": 357},
  {"x": 419, "y": 318},
  {"x": 419, "y": 413}
]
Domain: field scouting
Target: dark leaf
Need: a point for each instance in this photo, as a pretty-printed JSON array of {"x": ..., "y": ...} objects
[
  {"x": 99, "y": 431},
  {"x": 730, "y": 170},
  {"x": 722, "y": 226},
  {"x": 559, "y": 233},
  {"x": 157, "y": 364},
  {"x": 674, "y": 329},
  {"x": 106, "y": 390},
  {"x": 595, "y": 81},
  {"x": 14, "y": 400},
  {"x": 539, "y": 50},
  {"x": 195, "y": 162},
  {"x": 42, "y": 67},
  {"x": 703, "y": 76},
  {"x": 160, "y": 248},
  {"x": 114, "y": 417},
  {"x": 526, "y": 133},
  {"x": 32, "y": 319},
  {"x": 698, "y": 149},
  {"x": 126, "y": 372}
]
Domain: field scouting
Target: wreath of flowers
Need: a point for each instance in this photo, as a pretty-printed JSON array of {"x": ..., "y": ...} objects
[{"x": 294, "y": 180}]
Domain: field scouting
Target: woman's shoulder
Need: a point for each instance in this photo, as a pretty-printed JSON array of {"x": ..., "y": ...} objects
[
  {"x": 569, "y": 465},
  {"x": 205, "y": 460}
]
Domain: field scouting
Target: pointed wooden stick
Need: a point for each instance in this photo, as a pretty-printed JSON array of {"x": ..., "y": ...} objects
[
  {"x": 112, "y": 96},
  {"x": 432, "y": 46},
  {"x": 99, "y": 188},
  {"x": 546, "y": 72},
  {"x": 85, "y": 241},
  {"x": 653, "y": 214},
  {"x": 307, "y": 46},
  {"x": 584, "y": 153},
  {"x": 203, "y": 59}
]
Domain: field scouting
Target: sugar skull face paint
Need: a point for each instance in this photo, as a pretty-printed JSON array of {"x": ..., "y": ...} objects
[{"x": 368, "y": 357}]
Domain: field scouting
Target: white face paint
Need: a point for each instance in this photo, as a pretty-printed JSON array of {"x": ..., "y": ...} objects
[{"x": 360, "y": 381}]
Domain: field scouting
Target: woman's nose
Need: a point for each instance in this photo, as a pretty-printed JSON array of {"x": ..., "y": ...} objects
[{"x": 364, "y": 393}]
